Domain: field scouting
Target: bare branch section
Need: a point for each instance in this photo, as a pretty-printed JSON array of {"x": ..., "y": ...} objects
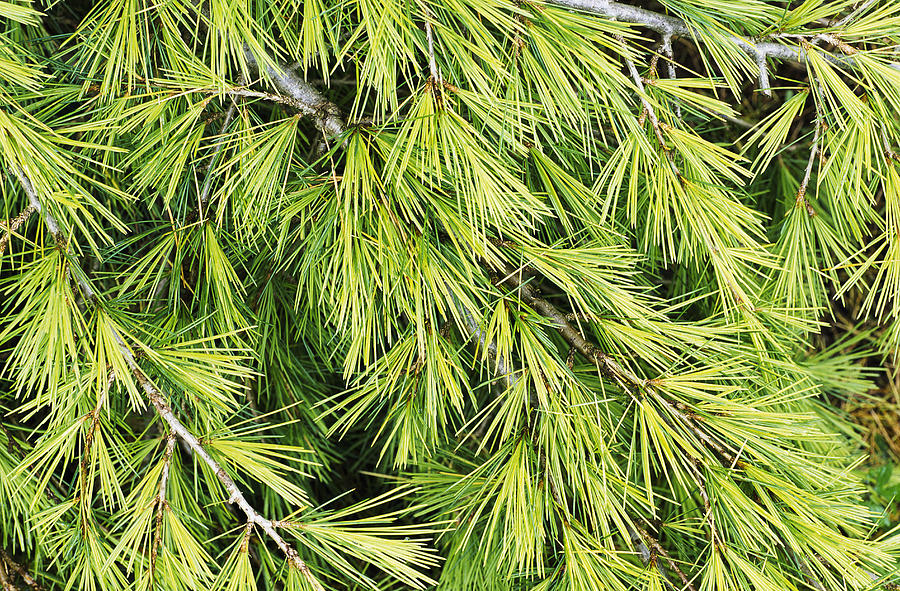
[
  {"x": 432, "y": 64},
  {"x": 161, "y": 504},
  {"x": 669, "y": 25},
  {"x": 13, "y": 225},
  {"x": 158, "y": 400},
  {"x": 220, "y": 143},
  {"x": 306, "y": 99},
  {"x": 802, "y": 198},
  {"x": 20, "y": 570},
  {"x": 35, "y": 202}
]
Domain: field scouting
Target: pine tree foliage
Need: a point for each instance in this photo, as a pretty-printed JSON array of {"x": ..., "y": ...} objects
[{"x": 454, "y": 294}]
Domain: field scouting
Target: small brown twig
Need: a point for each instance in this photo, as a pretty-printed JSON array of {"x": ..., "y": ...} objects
[
  {"x": 700, "y": 481},
  {"x": 161, "y": 504},
  {"x": 660, "y": 551},
  {"x": 802, "y": 199},
  {"x": 20, "y": 570},
  {"x": 6, "y": 583},
  {"x": 13, "y": 225}
]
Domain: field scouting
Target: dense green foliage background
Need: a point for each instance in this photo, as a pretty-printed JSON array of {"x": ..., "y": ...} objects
[{"x": 474, "y": 294}]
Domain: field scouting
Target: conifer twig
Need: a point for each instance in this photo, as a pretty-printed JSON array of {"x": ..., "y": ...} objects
[
  {"x": 764, "y": 85},
  {"x": 670, "y": 25},
  {"x": 700, "y": 481},
  {"x": 161, "y": 504},
  {"x": 503, "y": 369},
  {"x": 659, "y": 550},
  {"x": 854, "y": 13},
  {"x": 35, "y": 202},
  {"x": 607, "y": 364},
  {"x": 305, "y": 98},
  {"x": 666, "y": 48},
  {"x": 20, "y": 570},
  {"x": 814, "y": 151},
  {"x": 13, "y": 225},
  {"x": 432, "y": 64},
  {"x": 220, "y": 143},
  {"x": 158, "y": 400},
  {"x": 647, "y": 557},
  {"x": 236, "y": 496},
  {"x": 648, "y": 108},
  {"x": 6, "y": 583}
]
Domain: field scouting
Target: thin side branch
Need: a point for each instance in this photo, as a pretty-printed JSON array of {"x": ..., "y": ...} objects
[
  {"x": 609, "y": 367},
  {"x": 670, "y": 25},
  {"x": 659, "y": 550},
  {"x": 13, "y": 225},
  {"x": 648, "y": 108},
  {"x": 764, "y": 85},
  {"x": 20, "y": 570},
  {"x": 502, "y": 367},
  {"x": 700, "y": 481},
  {"x": 666, "y": 48},
  {"x": 855, "y": 13},
  {"x": 158, "y": 400},
  {"x": 220, "y": 143},
  {"x": 161, "y": 504},
  {"x": 236, "y": 496},
  {"x": 802, "y": 199},
  {"x": 432, "y": 64},
  {"x": 647, "y": 557},
  {"x": 35, "y": 202}
]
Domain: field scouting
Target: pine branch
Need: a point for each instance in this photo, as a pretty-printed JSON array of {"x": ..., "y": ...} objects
[
  {"x": 158, "y": 400},
  {"x": 669, "y": 25},
  {"x": 633, "y": 385},
  {"x": 647, "y": 556},
  {"x": 607, "y": 365}
]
